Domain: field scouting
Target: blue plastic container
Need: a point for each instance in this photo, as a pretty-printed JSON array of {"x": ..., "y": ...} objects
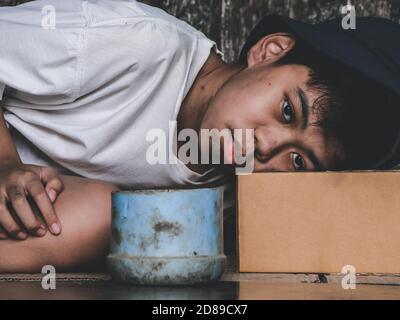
[{"x": 167, "y": 237}]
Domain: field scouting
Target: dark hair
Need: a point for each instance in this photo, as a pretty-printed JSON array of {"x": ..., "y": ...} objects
[{"x": 359, "y": 114}]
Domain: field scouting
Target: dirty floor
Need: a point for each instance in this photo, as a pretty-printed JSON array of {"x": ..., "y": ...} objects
[{"x": 233, "y": 285}]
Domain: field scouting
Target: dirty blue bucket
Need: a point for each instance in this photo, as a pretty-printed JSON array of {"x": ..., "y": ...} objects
[{"x": 167, "y": 237}]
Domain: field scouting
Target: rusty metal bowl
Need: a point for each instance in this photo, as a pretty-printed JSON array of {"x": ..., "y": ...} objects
[{"x": 167, "y": 237}]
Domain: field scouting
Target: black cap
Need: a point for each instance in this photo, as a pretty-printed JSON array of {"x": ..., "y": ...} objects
[{"x": 372, "y": 49}]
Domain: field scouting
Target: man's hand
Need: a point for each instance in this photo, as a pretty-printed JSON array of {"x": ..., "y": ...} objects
[{"x": 22, "y": 187}]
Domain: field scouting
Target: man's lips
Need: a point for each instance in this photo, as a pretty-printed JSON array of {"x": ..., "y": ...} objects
[
  {"x": 233, "y": 145},
  {"x": 238, "y": 145}
]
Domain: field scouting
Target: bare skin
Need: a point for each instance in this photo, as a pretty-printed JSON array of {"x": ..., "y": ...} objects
[{"x": 84, "y": 209}]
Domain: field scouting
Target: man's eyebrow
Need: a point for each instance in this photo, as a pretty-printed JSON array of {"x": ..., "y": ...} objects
[
  {"x": 305, "y": 107},
  {"x": 314, "y": 159},
  {"x": 305, "y": 112}
]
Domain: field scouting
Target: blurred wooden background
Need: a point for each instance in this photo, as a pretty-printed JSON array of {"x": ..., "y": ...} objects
[{"x": 228, "y": 22}]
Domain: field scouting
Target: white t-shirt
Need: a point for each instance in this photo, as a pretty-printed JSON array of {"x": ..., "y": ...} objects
[{"x": 81, "y": 95}]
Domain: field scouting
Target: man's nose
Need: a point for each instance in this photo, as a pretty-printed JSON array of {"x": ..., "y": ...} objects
[{"x": 267, "y": 141}]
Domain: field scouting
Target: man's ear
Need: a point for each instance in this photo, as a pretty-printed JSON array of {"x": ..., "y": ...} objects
[{"x": 270, "y": 48}]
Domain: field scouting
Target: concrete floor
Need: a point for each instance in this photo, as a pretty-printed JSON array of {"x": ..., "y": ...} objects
[
  {"x": 243, "y": 290},
  {"x": 233, "y": 286}
]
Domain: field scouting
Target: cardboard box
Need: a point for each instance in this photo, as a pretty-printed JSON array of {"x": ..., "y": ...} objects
[{"x": 319, "y": 222}]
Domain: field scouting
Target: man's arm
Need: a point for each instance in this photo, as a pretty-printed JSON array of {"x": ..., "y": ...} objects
[
  {"x": 23, "y": 187},
  {"x": 8, "y": 152}
]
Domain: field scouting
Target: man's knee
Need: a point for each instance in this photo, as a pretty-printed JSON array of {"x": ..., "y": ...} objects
[
  {"x": 84, "y": 209},
  {"x": 89, "y": 195}
]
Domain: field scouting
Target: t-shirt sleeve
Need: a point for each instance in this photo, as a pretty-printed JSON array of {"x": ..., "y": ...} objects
[
  {"x": 2, "y": 87},
  {"x": 40, "y": 50}
]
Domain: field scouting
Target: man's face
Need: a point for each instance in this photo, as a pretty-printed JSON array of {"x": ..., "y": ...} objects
[{"x": 275, "y": 102}]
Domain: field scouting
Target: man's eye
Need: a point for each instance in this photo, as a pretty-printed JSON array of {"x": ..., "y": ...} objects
[
  {"x": 287, "y": 112},
  {"x": 297, "y": 161}
]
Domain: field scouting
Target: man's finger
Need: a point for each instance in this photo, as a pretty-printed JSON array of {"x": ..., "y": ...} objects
[
  {"x": 41, "y": 198},
  {"x": 8, "y": 223},
  {"x": 24, "y": 211},
  {"x": 3, "y": 234},
  {"x": 53, "y": 184}
]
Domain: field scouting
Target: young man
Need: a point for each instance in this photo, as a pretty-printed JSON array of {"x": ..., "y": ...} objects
[{"x": 80, "y": 96}]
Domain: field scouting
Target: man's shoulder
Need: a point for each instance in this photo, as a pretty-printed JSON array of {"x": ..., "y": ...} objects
[{"x": 163, "y": 18}]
